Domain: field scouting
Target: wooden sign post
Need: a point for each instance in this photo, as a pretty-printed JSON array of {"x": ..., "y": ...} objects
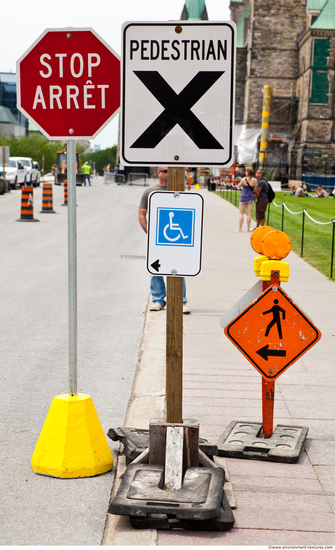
[{"x": 174, "y": 326}]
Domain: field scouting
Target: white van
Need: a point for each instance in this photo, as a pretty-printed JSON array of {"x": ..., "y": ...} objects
[
  {"x": 32, "y": 172},
  {"x": 16, "y": 173}
]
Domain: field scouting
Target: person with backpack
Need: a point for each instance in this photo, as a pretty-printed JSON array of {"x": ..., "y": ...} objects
[{"x": 262, "y": 194}]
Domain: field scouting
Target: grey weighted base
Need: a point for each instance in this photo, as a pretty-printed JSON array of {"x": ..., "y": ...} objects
[
  {"x": 135, "y": 441},
  {"x": 223, "y": 522},
  {"x": 142, "y": 494},
  {"x": 240, "y": 440}
]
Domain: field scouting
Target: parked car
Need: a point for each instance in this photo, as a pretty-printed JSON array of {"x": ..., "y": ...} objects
[
  {"x": 32, "y": 172},
  {"x": 16, "y": 173},
  {"x": 37, "y": 167}
]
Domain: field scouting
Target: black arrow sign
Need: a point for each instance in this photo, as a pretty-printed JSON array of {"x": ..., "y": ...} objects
[
  {"x": 177, "y": 109},
  {"x": 156, "y": 265},
  {"x": 265, "y": 352}
]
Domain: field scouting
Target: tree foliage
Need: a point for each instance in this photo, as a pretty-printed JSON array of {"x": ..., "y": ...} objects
[
  {"x": 101, "y": 158},
  {"x": 34, "y": 146}
]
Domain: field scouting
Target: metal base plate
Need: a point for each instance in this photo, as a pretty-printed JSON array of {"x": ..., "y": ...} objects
[
  {"x": 142, "y": 493},
  {"x": 241, "y": 440},
  {"x": 135, "y": 441},
  {"x": 223, "y": 522}
]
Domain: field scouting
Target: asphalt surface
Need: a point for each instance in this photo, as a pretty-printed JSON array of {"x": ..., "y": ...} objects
[
  {"x": 113, "y": 290},
  {"x": 274, "y": 503}
]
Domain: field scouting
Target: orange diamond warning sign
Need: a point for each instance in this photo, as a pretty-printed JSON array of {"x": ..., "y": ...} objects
[{"x": 272, "y": 332}]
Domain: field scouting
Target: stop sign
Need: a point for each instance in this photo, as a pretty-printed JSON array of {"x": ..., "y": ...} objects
[{"x": 68, "y": 83}]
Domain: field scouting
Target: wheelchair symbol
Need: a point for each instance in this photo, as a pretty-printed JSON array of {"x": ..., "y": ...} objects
[{"x": 173, "y": 227}]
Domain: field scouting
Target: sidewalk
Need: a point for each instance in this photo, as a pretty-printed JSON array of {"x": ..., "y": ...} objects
[{"x": 277, "y": 504}]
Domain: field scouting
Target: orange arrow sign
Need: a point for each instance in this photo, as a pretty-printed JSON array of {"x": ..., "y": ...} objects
[{"x": 272, "y": 333}]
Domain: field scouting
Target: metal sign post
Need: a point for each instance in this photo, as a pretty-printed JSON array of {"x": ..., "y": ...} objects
[
  {"x": 72, "y": 69},
  {"x": 72, "y": 265}
]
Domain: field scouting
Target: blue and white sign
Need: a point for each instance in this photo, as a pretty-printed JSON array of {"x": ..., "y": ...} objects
[{"x": 175, "y": 228}]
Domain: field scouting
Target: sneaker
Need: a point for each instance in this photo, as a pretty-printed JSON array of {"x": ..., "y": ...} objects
[
  {"x": 156, "y": 306},
  {"x": 186, "y": 310}
]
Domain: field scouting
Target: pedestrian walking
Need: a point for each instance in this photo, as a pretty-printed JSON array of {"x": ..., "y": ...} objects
[
  {"x": 157, "y": 284},
  {"x": 248, "y": 184},
  {"x": 262, "y": 199}
]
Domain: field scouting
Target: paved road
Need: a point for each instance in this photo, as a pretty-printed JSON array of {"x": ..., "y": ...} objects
[{"x": 113, "y": 291}]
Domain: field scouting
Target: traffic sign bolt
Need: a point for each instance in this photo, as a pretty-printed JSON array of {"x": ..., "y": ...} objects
[
  {"x": 68, "y": 35},
  {"x": 173, "y": 272},
  {"x": 274, "y": 288},
  {"x": 178, "y": 29},
  {"x": 275, "y": 274},
  {"x": 71, "y": 131},
  {"x": 271, "y": 371},
  {"x": 176, "y": 157},
  {"x": 176, "y": 195}
]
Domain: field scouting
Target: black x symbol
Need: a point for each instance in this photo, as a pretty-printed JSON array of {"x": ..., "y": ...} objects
[{"x": 177, "y": 109}]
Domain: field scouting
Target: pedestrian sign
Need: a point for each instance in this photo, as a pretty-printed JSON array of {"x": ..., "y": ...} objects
[
  {"x": 175, "y": 226},
  {"x": 272, "y": 333},
  {"x": 178, "y": 90}
]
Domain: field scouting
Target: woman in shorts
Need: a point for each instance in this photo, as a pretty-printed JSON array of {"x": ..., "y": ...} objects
[{"x": 248, "y": 184}]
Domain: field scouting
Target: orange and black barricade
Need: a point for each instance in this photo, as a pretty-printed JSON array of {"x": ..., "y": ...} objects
[
  {"x": 65, "y": 193},
  {"x": 27, "y": 205},
  {"x": 47, "y": 199}
]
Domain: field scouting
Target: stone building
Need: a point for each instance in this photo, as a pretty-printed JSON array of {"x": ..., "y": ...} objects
[{"x": 289, "y": 45}]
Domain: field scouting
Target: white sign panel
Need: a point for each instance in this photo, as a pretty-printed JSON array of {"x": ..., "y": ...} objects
[
  {"x": 175, "y": 228},
  {"x": 178, "y": 89}
]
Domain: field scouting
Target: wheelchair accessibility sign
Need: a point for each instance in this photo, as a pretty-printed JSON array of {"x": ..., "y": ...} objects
[{"x": 175, "y": 228}]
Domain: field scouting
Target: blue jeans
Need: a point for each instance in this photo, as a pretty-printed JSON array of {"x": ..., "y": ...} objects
[
  {"x": 158, "y": 289},
  {"x": 87, "y": 177}
]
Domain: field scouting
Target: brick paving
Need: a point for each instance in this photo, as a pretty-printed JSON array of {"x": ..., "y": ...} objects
[{"x": 277, "y": 504}]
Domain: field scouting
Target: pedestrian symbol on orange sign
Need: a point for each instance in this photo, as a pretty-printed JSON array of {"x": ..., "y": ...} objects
[{"x": 275, "y": 310}]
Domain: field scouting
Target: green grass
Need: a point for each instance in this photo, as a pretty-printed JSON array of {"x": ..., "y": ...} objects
[{"x": 317, "y": 246}]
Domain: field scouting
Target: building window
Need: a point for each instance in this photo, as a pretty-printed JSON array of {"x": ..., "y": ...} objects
[{"x": 320, "y": 83}]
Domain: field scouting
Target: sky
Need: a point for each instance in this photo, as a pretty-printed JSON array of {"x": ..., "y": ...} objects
[{"x": 22, "y": 23}]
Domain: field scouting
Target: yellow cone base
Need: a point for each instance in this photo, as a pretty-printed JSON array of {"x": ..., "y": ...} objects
[{"x": 72, "y": 443}]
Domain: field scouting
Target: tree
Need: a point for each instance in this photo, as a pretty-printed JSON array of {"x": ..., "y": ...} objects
[
  {"x": 34, "y": 146},
  {"x": 101, "y": 158}
]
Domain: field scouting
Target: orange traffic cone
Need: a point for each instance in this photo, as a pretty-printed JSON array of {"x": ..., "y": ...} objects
[
  {"x": 65, "y": 193},
  {"x": 27, "y": 205},
  {"x": 47, "y": 199}
]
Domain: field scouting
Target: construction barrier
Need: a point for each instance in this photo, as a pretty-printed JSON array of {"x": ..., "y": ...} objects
[
  {"x": 281, "y": 333},
  {"x": 47, "y": 199},
  {"x": 27, "y": 205},
  {"x": 65, "y": 193}
]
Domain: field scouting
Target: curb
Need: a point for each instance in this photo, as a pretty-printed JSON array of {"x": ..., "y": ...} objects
[{"x": 147, "y": 401}]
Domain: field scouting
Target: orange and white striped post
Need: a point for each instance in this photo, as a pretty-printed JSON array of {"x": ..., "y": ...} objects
[
  {"x": 47, "y": 199},
  {"x": 65, "y": 193},
  {"x": 27, "y": 205}
]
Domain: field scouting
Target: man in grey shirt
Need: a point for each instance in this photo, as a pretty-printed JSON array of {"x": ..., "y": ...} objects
[{"x": 157, "y": 284}]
